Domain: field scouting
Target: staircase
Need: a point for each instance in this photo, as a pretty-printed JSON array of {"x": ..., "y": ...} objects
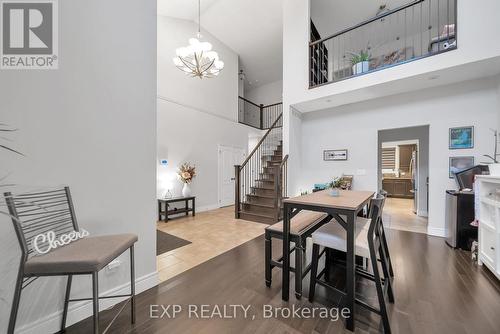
[{"x": 261, "y": 179}]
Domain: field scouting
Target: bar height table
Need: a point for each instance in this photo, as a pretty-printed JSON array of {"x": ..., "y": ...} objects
[{"x": 349, "y": 204}]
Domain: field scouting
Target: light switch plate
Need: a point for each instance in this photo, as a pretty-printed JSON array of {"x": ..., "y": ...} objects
[{"x": 361, "y": 172}]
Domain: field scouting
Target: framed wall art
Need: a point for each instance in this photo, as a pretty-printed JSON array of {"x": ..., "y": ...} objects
[
  {"x": 458, "y": 164},
  {"x": 461, "y": 138},
  {"x": 335, "y": 155}
]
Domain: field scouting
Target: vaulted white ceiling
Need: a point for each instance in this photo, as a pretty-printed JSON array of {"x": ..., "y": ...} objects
[{"x": 252, "y": 28}]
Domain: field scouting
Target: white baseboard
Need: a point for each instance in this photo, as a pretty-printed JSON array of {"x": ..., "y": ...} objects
[
  {"x": 436, "y": 231},
  {"x": 82, "y": 310},
  {"x": 423, "y": 213},
  {"x": 207, "y": 207}
]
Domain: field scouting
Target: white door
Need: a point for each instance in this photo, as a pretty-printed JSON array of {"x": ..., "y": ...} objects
[{"x": 228, "y": 157}]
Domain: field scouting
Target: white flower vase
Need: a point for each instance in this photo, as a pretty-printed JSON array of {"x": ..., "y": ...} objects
[
  {"x": 186, "y": 190},
  {"x": 494, "y": 169},
  {"x": 361, "y": 67}
]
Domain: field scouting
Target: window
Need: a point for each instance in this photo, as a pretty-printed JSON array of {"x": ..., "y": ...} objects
[{"x": 389, "y": 158}]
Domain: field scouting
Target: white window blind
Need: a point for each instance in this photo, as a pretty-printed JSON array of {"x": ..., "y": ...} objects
[{"x": 389, "y": 158}]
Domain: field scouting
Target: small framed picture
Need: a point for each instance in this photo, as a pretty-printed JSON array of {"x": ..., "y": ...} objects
[
  {"x": 335, "y": 155},
  {"x": 458, "y": 164},
  {"x": 461, "y": 138}
]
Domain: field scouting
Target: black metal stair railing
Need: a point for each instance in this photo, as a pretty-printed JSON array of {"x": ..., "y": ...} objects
[
  {"x": 259, "y": 166},
  {"x": 258, "y": 115},
  {"x": 413, "y": 31}
]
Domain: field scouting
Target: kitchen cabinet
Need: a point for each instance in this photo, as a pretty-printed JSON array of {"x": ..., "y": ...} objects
[{"x": 398, "y": 187}]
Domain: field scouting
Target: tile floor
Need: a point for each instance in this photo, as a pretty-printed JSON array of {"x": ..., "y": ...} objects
[
  {"x": 211, "y": 233},
  {"x": 398, "y": 214}
]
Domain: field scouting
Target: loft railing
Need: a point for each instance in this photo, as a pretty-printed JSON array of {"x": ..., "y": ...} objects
[
  {"x": 417, "y": 30},
  {"x": 258, "y": 166},
  {"x": 258, "y": 115}
]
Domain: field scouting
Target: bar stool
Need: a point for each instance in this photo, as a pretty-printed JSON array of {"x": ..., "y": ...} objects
[
  {"x": 301, "y": 227},
  {"x": 365, "y": 223},
  {"x": 52, "y": 213},
  {"x": 369, "y": 244}
]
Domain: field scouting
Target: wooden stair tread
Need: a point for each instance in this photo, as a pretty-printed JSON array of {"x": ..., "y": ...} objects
[
  {"x": 250, "y": 213},
  {"x": 259, "y": 204},
  {"x": 263, "y": 196}
]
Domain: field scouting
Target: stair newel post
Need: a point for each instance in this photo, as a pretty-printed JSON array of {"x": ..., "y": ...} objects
[
  {"x": 277, "y": 191},
  {"x": 237, "y": 189},
  {"x": 261, "y": 116}
]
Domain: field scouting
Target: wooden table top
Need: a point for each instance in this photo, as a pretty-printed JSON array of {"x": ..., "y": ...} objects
[
  {"x": 176, "y": 199},
  {"x": 348, "y": 199}
]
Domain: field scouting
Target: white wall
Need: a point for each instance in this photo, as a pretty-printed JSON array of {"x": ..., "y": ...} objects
[
  {"x": 270, "y": 93},
  {"x": 219, "y": 95},
  {"x": 187, "y": 134},
  {"x": 91, "y": 125},
  {"x": 195, "y": 116},
  {"x": 355, "y": 127}
]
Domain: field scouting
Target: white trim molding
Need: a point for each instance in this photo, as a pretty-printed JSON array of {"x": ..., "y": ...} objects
[
  {"x": 82, "y": 310},
  {"x": 436, "y": 231}
]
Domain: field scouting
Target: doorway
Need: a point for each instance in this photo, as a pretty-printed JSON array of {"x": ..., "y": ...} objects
[
  {"x": 228, "y": 157},
  {"x": 403, "y": 169}
]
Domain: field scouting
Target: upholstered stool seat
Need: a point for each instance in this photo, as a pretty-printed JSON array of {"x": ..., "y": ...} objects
[
  {"x": 334, "y": 236},
  {"x": 81, "y": 256},
  {"x": 300, "y": 222}
]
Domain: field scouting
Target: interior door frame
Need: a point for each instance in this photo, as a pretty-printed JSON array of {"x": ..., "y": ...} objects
[{"x": 219, "y": 169}]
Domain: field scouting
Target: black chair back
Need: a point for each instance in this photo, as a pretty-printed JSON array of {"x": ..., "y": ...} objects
[{"x": 39, "y": 213}]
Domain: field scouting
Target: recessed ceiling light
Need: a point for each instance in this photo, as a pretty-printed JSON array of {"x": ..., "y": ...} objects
[{"x": 434, "y": 77}]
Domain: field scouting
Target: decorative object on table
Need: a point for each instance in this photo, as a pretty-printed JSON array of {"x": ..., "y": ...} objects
[
  {"x": 347, "y": 181},
  {"x": 319, "y": 187},
  {"x": 360, "y": 61},
  {"x": 461, "y": 138},
  {"x": 186, "y": 173},
  {"x": 493, "y": 165},
  {"x": 86, "y": 256},
  {"x": 305, "y": 192},
  {"x": 198, "y": 59},
  {"x": 458, "y": 164},
  {"x": 335, "y": 186},
  {"x": 335, "y": 155},
  {"x": 168, "y": 194}
]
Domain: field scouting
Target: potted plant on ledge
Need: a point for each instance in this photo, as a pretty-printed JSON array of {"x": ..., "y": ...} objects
[
  {"x": 360, "y": 62},
  {"x": 186, "y": 173}
]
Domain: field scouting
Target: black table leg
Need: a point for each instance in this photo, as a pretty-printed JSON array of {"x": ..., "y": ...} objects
[
  {"x": 194, "y": 207},
  {"x": 285, "y": 286},
  {"x": 350, "y": 269},
  {"x": 187, "y": 207}
]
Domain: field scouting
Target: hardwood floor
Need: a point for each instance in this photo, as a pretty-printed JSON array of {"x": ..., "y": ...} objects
[{"x": 437, "y": 290}]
